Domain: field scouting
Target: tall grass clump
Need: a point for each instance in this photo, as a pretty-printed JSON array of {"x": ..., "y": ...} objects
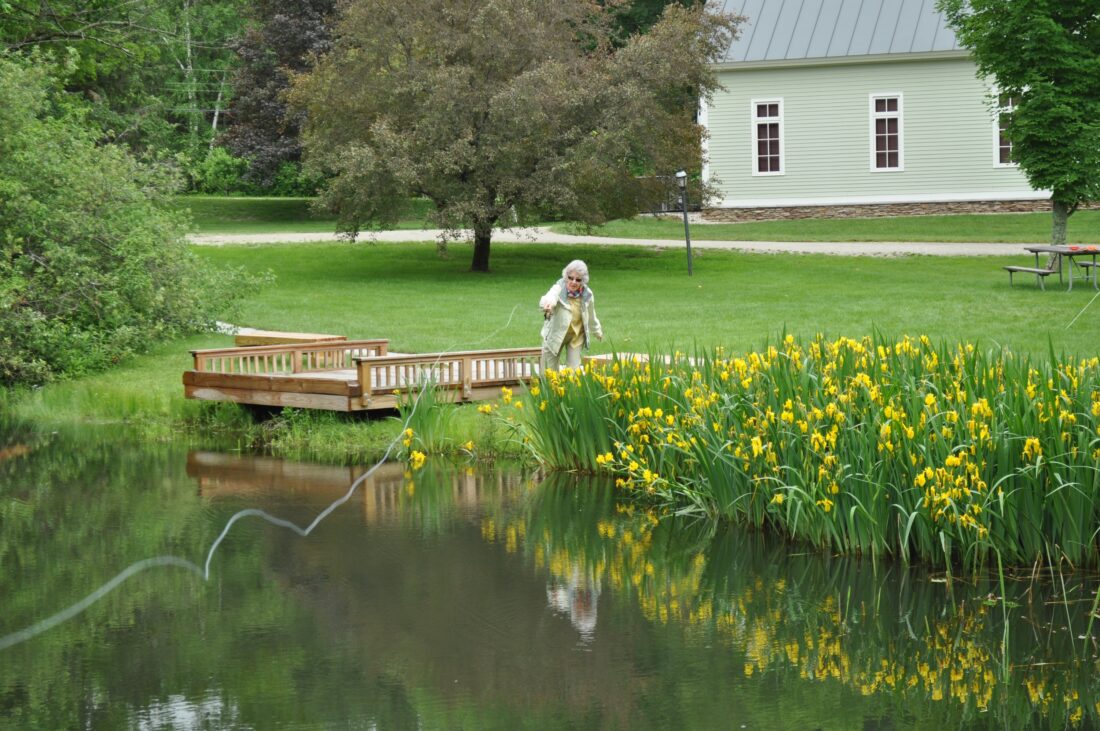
[
  {"x": 933, "y": 453},
  {"x": 427, "y": 414}
]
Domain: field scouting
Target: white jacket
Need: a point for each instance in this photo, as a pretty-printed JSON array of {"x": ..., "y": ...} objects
[{"x": 556, "y": 326}]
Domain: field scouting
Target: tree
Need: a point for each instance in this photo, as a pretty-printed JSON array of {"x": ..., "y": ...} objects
[
  {"x": 638, "y": 16},
  {"x": 501, "y": 111},
  {"x": 94, "y": 264},
  {"x": 150, "y": 69},
  {"x": 1046, "y": 57},
  {"x": 195, "y": 43},
  {"x": 285, "y": 39}
]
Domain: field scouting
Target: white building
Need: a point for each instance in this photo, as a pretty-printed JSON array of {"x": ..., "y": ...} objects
[{"x": 854, "y": 107}]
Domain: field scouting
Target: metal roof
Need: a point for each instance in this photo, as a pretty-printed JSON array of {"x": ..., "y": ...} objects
[{"x": 785, "y": 30}]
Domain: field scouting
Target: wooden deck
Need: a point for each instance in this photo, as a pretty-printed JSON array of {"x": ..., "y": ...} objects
[
  {"x": 252, "y": 337},
  {"x": 352, "y": 375}
]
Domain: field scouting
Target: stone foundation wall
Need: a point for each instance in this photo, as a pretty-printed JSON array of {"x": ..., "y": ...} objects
[{"x": 733, "y": 215}]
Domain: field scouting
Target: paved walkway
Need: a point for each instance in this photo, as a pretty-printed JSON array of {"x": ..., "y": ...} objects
[{"x": 542, "y": 235}]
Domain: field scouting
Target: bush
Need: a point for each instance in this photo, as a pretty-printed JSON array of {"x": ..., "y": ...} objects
[
  {"x": 290, "y": 180},
  {"x": 220, "y": 173},
  {"x": 94, "y": 264}
]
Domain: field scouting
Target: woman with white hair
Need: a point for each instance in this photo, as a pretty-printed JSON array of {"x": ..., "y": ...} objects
[{"x": 570, "y": 311}]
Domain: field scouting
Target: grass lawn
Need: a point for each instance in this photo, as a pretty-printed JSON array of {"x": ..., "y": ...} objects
[
  {"x": 645, "y": 301},
  {"x": 406, "y": 293},
  {"x": 245, "y": 215},
  {"x": 1024, "y": 228}
]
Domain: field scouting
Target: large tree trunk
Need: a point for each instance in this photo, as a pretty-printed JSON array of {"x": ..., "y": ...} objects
[
  {"x": 483, "y": 235},
  {"x": 1060, "y": 214}
]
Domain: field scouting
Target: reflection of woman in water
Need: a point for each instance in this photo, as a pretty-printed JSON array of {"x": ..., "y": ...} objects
[
  {"x": 570, "y": 311},
  {"x": 576, "y": 597}
]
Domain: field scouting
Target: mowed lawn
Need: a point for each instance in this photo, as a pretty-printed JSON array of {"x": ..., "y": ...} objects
[
  {"x": 259, "y": 215},
  {"x": 1084, "y": 227},
  {"x": 646, "y": 301}
]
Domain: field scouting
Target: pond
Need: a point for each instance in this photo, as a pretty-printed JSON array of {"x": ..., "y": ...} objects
[{"x": 134, "y": 593}]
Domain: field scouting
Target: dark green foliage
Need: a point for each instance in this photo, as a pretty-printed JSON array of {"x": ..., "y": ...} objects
[
  {"x": 93, "y": 265},
  {"x": 222, "y": 173},
  {"x": 292, "y": 180},
  {"x": 639, "y": 16},
  {"x": 283, "y": 41}
]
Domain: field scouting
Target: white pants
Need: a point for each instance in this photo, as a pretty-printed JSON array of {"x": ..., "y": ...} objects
[{"x": 552, "y": 361}]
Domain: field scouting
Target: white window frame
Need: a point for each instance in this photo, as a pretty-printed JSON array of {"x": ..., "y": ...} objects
[
  {"x": 997, "y": 111},
  {"x": 874, "y": 116},
  {"x": 754, "y": 121}
]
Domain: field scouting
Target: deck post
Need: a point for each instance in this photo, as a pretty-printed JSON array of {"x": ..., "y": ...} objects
[
  {"x": 466, "y": 364},
  {"x": 363, "y": 371}
]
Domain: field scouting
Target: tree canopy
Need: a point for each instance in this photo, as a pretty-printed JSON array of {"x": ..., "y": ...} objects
[
  {"x": 1045, "y": 56},
  {"x": 502, "y": 112},
  {"x": 155, "y": 74},
  {"x": 638, "y": 16}
]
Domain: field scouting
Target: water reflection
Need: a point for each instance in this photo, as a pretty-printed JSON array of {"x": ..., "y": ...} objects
[
  {"x": 576, "y": 597},
  {"x": 880, "y": 630},
  {"x": 454, "y": 597}
]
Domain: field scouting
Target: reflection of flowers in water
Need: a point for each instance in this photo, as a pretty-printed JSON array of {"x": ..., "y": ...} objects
[
  {"x": 775, "y": 626},
  {"x": 576, "y": 597}
]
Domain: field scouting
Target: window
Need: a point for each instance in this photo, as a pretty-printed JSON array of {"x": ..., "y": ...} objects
[
  {"x": 1002, "y": 151},
  {"x": 767, "y": 137},
  {"x": 886, "y": 133}
]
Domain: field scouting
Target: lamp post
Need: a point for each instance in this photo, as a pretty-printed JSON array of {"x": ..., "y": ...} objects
[{"x": 682, "y": 180}]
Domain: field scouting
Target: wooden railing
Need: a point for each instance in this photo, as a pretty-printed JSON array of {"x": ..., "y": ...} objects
[
  {"x": 461, "y": 371},
  {"x": 285, "y": 359}
]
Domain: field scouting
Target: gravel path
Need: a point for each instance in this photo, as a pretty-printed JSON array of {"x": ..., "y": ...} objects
[{"x": 542, "y": 235}]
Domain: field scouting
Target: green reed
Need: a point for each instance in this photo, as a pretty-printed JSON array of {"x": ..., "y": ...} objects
[
  {"x": 427, "y": 414},
  {"x": 884, "y": 447}
]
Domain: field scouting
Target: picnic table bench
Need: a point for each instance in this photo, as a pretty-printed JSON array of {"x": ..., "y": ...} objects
[{"x": 1053, "y": 264}]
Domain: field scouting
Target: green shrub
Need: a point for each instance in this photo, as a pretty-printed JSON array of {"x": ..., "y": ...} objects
[
  {"x": 221, "y": 173},
  {"x": 290, "y": 180},
  {"x": 94, "y": 265}
]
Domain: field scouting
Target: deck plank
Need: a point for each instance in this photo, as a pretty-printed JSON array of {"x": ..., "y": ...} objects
[
  {"x": 325, "y": 402},
  {"x": 296, "y": 383},
  {"x": 249, "y": 337}
]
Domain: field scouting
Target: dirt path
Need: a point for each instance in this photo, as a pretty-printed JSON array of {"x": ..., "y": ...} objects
[{"x": 544, "y": 236}]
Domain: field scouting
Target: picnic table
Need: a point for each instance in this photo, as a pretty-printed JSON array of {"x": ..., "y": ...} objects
[{"x": 1071, "y": 253}]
